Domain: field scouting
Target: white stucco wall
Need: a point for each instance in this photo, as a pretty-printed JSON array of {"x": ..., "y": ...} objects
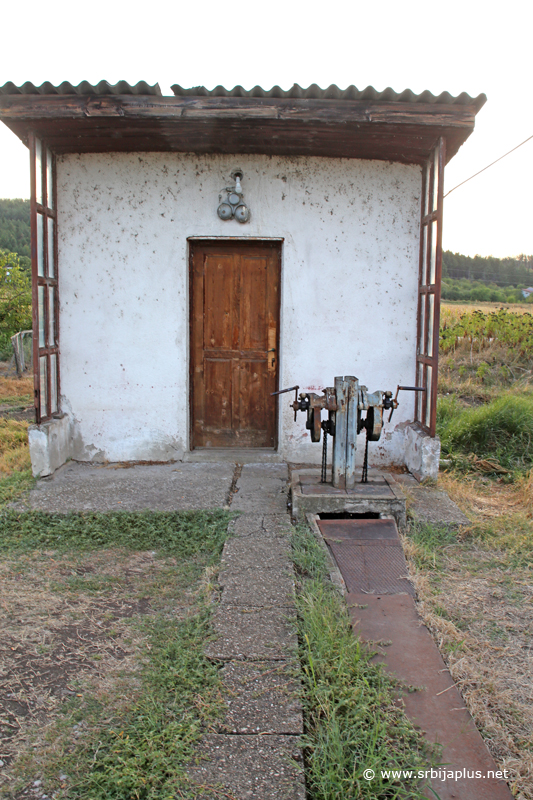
[{"x": 348, "y": 300}]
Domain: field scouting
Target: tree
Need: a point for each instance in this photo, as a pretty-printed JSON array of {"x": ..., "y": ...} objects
[{"x": 15, "y": 299}]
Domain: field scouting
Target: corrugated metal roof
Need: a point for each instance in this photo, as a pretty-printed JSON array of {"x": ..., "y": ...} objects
[
  {"x": 333, "y": 92},
  {"x": 83, "y": 88}
]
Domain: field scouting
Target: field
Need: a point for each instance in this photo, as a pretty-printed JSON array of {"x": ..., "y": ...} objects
[{"x": 451, "y": 311}]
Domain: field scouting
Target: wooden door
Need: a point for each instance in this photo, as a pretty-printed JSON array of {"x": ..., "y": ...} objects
[{"x": 234, "y": 343}]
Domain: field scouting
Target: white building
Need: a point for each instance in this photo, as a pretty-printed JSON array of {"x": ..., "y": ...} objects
[{"x": 161, "y": 328}]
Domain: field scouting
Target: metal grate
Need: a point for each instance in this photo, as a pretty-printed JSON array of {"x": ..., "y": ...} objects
[{"x": 369, "y": 555}]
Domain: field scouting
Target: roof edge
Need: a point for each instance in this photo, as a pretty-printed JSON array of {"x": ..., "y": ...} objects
[
  {"x": 82, "y": 89},
  {"x": 333, "y": 92}
]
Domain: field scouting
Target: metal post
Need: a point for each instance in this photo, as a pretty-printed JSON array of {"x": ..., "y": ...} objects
[
  {"x": 352, "y": 391},
  {"x": 339, "y": 440}
]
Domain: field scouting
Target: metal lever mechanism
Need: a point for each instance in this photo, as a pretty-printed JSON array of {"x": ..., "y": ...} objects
[
  {"x": 300, "y": 404},
  {"x": 391, "y": 403}
]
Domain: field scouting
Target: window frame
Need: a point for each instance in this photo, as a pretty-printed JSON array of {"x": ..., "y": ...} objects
[
  {"x": 429, "y": 288},
  {"x": 48, "y": 311}
]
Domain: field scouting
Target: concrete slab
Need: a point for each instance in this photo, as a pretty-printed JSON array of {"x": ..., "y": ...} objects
[
  {"x": 436, "y": 706},
  {"x": 249, "y": 768},
  {"x": 256, "y": 526},
  {"x": 237, "y": 455},
  {"x": 262, "y": 488},
  {"x": 381, "y": 495},
  {"x": 243, "y": 554},
  {"x": 269, "y": 587},
  {"x": 253, "y": 634},
  {"x": 431, "y": 505},
  {"x": 261, "y": 698},
  {"x": 116, "y": 487}
]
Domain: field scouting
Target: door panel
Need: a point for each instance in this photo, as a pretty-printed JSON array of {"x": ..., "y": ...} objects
[{"x": 234, "y": 343}]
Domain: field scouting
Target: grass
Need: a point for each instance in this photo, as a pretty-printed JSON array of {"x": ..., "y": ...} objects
[
  {"x": 143, "y": 750},
  {"x": 111, "y": 609},
  {"x": 14, "y": 485},
  {"x": 351, "y": 720},
  {"x": 500, "y": 430},
  {"x": 170, "y": 532}
]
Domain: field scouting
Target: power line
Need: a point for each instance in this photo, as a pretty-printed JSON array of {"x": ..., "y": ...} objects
[{"x": 489, "y": 165}]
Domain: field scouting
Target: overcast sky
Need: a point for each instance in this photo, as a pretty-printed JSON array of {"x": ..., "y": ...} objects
[{"x": 459, "y": 46}]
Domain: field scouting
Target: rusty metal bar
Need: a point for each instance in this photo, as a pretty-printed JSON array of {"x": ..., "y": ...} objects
[
  {"x": 429, "y": 215},
  {"x": 34, "y": 281},
  {"x": 438, "y": 282}
]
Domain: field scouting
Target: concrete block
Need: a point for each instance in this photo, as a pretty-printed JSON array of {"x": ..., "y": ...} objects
[
  {"x": 422, "y": 453},
  {"x": 253, "y": 634},
  {"x": 49, "y": 445},
  {"x": 248, "y": 768},
  {"x": 262, "y": 488},
  {"x": 266, "y": 588},
  {"x": 261, "y": 698}
]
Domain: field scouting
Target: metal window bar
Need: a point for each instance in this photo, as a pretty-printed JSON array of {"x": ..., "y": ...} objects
[
  {"x": 45, "y": 315},
  {"x": 429, "y": 288}
]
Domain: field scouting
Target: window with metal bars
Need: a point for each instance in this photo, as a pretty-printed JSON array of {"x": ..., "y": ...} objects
[
  {"x": 429, "y": 288},
  {"x": 44, "y": 281}
]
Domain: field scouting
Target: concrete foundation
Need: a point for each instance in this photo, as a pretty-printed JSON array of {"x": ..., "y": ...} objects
[
  {"x": 421, "y": 453},
  {"x": 381, "y": 495},
  {"x": 49, "y": 445}
]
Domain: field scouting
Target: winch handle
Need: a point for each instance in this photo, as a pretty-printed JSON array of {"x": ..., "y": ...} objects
[
  {"x": 295, "y": 406},
  {"x": 395, "y": 403},
  {"x": 282, "y": 391}
]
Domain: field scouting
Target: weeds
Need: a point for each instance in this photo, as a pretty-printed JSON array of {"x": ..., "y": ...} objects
[
  {"x": 172, "y": 532},
  {"x": 143, "y": 752},
  {"x": 12, "y": 486},
  {"x": 427, "y": 542},
  {"x": 352, "y": 723},
  {"x": 501, "y": 431},
  {"x": 481, "y": 330},
  {"x": 126, "y": 644}
]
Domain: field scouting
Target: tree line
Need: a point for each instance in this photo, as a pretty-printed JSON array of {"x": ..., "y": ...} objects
[{"x": 505, "y": 272}]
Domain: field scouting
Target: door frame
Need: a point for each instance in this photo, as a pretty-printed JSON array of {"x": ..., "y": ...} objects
[{"x": 222, "y": 240}]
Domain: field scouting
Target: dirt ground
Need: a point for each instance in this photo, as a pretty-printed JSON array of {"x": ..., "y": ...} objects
[{"x": 71, "y": 631}]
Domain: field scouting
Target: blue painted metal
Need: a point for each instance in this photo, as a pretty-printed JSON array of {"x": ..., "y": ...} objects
[
  {"x": 352, "y": 390},
  {"x": 339, "y": 440}
]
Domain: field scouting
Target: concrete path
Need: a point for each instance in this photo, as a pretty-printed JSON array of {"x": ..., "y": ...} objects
[{"x": 255, "y": 752}]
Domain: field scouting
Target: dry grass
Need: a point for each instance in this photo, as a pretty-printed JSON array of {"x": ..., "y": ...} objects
[
  {"x": 452, "y": 312},
  {"x": 476, "y": 596},
  {"x": 16, "y": 387},
  {"x": 14, "y": 450}
]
